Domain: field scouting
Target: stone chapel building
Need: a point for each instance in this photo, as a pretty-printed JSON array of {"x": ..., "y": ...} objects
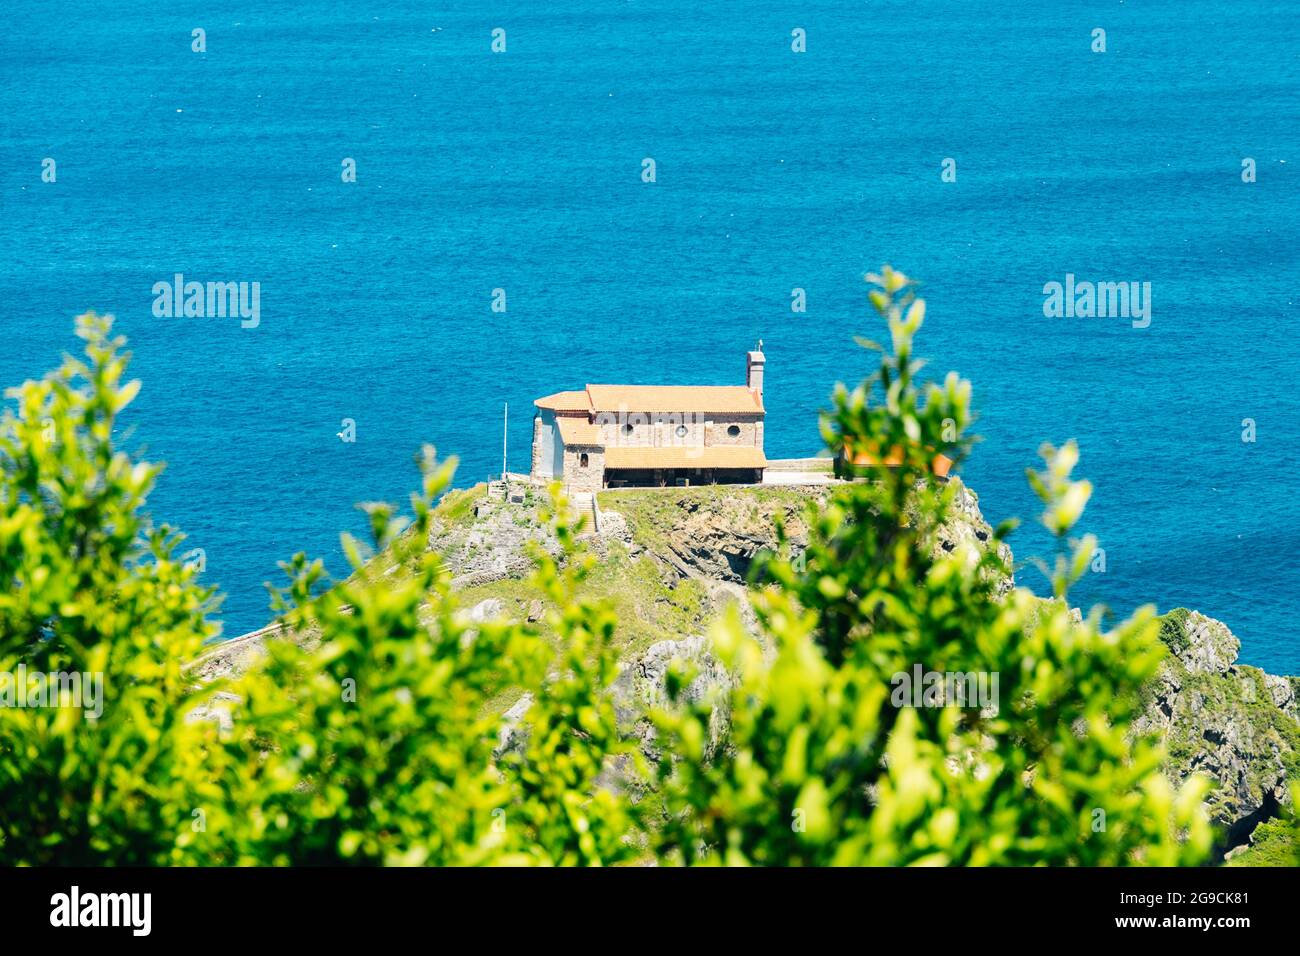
[{"x": 609, "y": 436}]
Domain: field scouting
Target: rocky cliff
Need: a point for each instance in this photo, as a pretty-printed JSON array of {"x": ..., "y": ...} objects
[
  {"x": 1230, "y": 721},
  {"x": 672, "y": 559}
]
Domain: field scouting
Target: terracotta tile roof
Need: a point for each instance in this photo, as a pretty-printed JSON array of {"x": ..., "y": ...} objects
[
  {"x": 722, "y": 399},
  {"x": 565, "y": 402},
  {"x": 575, "y": 430},
  {"x": 674, "y": 456}
]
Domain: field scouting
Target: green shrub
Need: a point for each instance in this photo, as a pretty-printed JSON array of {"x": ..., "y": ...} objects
[
  {"x": 1173, "y": 630},
  {"x": 89, "y": 587}
]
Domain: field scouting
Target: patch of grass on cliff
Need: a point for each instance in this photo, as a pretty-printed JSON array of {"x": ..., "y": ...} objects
[
  {"x": 457, "y": 505},
  {"x": 1245, "y": 700},
  {"x": 650, "y": 608},
  {"x": 1274, "y": 843},
  {"x": 652, "y": 513},
  {"x": 1173, "y": 629}
]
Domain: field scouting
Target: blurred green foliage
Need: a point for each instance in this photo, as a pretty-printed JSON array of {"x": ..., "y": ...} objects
[
  {"x": 375, "y": 739},
  {"x": 90, "y": 587}
]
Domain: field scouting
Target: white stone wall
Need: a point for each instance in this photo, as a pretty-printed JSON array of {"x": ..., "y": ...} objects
[{"x": 544, "y": 441}]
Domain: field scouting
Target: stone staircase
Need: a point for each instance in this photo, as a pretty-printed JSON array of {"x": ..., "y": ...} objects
[{"x": 584, "y": 505}]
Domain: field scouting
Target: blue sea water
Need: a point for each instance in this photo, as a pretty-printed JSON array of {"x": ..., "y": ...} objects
[{"x": 775, "y": 170}]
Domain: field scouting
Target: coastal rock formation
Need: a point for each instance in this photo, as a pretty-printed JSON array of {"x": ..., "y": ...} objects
[
  {"x": 713, "y": 533},
  {"x": 511, "y": 737},
  {"x": 641, "y": 684},
  {"x": 967, "y": 533},
  {"x": 231, "y": 658},
  {"x": 675, "y": 558},
  {"x": 716, "y": 533},
  {"x": 1230, "y": 721}
]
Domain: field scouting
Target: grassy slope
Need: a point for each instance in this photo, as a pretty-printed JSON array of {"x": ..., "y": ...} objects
[
  {"x": 650, "y": 512},
  {"x": 649, "y": 608},
  {"x": 1274, "y": 843},
  {"x": 652, "y": 603}
]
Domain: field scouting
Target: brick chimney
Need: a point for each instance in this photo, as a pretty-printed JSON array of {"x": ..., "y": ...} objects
[{"x": 754, "y": 362}]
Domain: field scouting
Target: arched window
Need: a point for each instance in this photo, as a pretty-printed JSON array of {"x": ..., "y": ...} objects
[
  {"x": 582, "y": 459},
  {"x": 733, "y": 431},
  {"x": 628, "y": 429}
]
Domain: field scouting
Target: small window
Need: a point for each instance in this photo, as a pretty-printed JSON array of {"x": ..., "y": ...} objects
[
  {"x": 628, "y": 429},
  {"x": 733, "y": 431},
  {"x": 582, "y": 459},
  {"x": 681, "y": 431}
]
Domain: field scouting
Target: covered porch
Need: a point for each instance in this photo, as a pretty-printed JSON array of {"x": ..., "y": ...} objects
[{"x": 682, "y": 466}]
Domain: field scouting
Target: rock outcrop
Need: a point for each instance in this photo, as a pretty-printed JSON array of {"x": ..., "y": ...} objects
[
  {"x": 1230, "y": 721},
  {"x": 717, "y": 533},
  {"x": 713, "y": 533},
  {"x": 642, "y": 686},
  {"x": 967, "y": 533},
  {"x": 494, "y": 543}
]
